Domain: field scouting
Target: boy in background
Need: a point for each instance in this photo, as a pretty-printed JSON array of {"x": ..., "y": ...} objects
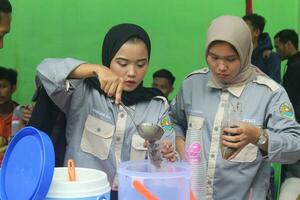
[{"x": 8, "y": 83}]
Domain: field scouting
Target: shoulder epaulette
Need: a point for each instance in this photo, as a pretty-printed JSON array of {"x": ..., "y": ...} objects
[
  {"x": 164, "y": 99},
  {"x": 263, "y": 80},
  {"x": 204, "y": 70}
]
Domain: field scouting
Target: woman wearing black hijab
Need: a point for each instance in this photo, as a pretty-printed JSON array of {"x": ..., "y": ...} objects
[
  {"x": 113, "y": 41},
  {"x": 99, "y": 132}
]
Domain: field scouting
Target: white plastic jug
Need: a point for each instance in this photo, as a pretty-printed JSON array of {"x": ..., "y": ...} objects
[{"x": 90, "y": 184}]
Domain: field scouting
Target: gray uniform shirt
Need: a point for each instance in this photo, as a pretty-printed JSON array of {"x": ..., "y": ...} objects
[
  {"x": 99, "y": 133},
  {"x": 198, "y": 113}
]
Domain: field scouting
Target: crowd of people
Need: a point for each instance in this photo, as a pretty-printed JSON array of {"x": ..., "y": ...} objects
[{"x": 230, "y": 120}]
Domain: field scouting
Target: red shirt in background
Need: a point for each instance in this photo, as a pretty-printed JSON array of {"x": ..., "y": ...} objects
[{"x": 5, "y": 131}]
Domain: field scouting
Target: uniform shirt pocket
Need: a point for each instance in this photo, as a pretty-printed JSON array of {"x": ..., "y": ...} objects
[
  {"x": 247, "y": 154},
  {"x": 138, "y": 151},
  {"x": 97, "y": 137}
]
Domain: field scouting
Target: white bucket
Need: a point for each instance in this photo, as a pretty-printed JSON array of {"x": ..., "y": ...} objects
[{"x": 90, "y": 184}]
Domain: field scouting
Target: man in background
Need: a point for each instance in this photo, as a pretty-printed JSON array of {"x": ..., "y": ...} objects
[
  {"x": 5, "y": 19},
  {"x": 286, "y": 44},
  {"x": 163, "y": 80},
  {"x": 262, "y": 55}
]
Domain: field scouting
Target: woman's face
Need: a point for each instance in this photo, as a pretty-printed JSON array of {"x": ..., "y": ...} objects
[
  {"x": 131, "y": 63},
  {"x": 223, "y": 61}
]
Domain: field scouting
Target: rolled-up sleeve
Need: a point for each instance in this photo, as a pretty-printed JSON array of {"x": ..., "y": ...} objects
[
  {"x": 283, "y": 130},
  {"x": 53, "y": 74}
]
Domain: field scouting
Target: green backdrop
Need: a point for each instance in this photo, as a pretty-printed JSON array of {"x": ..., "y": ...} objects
[{"x": 75, "y": 28}]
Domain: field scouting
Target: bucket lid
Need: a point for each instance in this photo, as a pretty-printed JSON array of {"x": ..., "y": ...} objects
[
  {"x": 28, "y": 166},
  {"x": 90, "y": 183}
]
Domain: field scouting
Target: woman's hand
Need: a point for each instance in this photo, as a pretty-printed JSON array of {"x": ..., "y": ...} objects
[
  {"x": 110, "y": 83},
  {"x": 168, "y": 151},
  {"x": 240, "y": 136}
]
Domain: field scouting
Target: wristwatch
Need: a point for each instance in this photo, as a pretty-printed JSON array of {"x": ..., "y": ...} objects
[{"x": 263, "y": 137}]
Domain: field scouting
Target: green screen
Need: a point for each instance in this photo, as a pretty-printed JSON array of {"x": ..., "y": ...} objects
[{"x": 75, "y": 28}]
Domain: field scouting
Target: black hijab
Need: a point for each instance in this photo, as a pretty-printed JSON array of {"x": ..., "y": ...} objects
[{"x": 113, "y": 41}]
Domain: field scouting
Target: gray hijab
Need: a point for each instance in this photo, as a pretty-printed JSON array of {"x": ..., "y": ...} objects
[{"x": 234, "y": 30}]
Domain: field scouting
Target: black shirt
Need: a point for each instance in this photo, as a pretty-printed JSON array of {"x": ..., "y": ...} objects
[{"x": 291, "y": 82}]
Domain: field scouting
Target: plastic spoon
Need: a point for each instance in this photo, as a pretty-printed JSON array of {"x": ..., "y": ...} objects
[{"x": 71, "y": 170}]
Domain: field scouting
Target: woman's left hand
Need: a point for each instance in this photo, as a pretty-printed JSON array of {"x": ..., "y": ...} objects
[
  {"x": 168, "y": 151},
  {"x": 240, "y": 136}
]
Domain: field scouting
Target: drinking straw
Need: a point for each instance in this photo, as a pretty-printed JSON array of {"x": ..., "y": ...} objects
[
  {"x": 140, "y": 188},
  {"x": 192, "y": 197},
  {"x": 71, "y": 170}
]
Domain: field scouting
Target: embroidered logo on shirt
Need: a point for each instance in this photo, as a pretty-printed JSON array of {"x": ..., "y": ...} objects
[
  {"x": 286, "y": 110},
  {"x": 192, "y": 152},
  {"x": 101, "y": 114},
  {"x": 166, "y": 124}
]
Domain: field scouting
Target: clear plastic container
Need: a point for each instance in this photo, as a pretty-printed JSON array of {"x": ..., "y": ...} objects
[{"x": 171, "y": 181}]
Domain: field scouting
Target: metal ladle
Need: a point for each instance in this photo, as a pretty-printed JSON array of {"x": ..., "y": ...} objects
[
  {"x": 148, "y": 131},
  {"x": 152, "y": 133}
]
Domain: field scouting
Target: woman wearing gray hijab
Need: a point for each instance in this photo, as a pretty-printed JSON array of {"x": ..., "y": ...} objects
[{"x": 231, "y": 120}]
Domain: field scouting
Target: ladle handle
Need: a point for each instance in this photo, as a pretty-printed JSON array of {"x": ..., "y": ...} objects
[{"x": 130, "y": 115}]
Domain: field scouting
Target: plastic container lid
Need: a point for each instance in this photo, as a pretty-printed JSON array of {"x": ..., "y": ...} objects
[
  {"x": 89, "y": 183},
  {"x": 28, "y": 165}
]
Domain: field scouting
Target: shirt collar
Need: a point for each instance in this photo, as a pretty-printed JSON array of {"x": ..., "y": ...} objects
[{"x": 234, "y": 90}]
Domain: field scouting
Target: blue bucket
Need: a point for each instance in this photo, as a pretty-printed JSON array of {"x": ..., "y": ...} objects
[{"x": 28, "y": 168}]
